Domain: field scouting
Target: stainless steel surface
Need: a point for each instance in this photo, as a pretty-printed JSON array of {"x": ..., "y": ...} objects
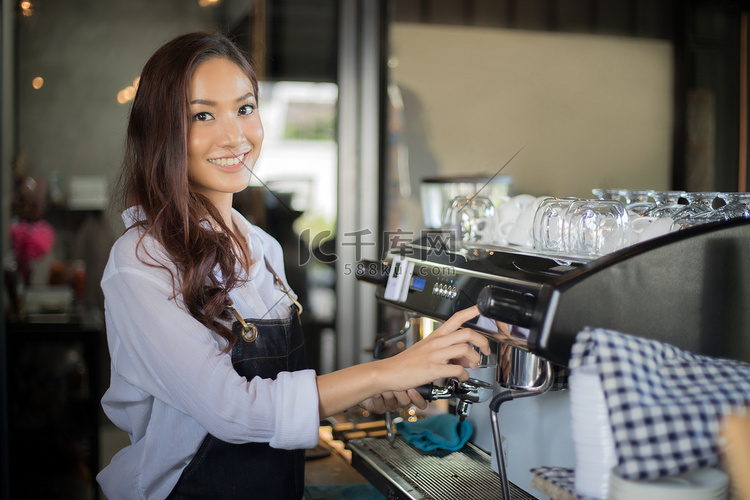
[
  {"x": 468, "y": 392},
  {"x": 408, "y": 473},
  {"x": 521, "y": 369}
]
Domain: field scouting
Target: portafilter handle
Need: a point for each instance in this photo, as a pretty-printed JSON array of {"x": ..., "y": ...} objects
[{"x": 467, "y": 392}]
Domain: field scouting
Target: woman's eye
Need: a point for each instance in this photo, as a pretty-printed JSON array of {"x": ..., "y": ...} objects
[
  {"x": 247, "y": 109},
  {"x": 201, "y": 117}
]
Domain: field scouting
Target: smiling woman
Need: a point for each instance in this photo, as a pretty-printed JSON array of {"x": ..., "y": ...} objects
[
  {"x": 225, "y": 134},
  {"x": 216, "y": 354}
]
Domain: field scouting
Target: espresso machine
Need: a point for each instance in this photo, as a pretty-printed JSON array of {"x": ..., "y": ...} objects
[{"x": 688, "y": 288}]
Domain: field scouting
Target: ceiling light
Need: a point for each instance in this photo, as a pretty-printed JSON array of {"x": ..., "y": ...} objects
[{"x": 26, "y": 8}]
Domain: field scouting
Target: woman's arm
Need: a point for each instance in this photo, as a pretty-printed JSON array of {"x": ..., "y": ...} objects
[{"x": 446, "y": 352}]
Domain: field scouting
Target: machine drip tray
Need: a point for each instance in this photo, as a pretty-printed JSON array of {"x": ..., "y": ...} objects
[{"x": 402, "y": 472}]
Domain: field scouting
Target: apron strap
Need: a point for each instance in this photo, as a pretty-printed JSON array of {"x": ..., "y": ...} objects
[
  {"x": 249, "y": 331},
  {"x": 282, "y": 287}
]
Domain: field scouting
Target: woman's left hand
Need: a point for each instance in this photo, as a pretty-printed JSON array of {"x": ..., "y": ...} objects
[{"x": 392, "y": 401}]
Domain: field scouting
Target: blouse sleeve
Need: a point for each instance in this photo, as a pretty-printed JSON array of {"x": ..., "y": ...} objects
[{"x": 159, "y": 348}]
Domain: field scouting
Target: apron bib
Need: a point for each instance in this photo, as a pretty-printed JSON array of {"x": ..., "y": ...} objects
[{"x": 221, "y": 470}]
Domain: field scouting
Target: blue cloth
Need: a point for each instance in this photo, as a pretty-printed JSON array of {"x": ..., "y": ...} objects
[{"x": 444, "y": 432}]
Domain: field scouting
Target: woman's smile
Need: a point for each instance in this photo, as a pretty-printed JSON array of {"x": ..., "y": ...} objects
[{"x": 230, "y": 163}]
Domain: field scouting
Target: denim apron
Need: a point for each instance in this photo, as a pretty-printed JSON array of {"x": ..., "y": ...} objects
[{"x": 221, "y": 470}]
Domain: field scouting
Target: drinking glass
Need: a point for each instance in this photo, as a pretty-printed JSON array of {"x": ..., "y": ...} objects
[
  {"x": 607, "y": 194},
  {"x": 698, "y": 203},
  {"x": 596, "y": 227},
  {"x": 696, "y": 212},
  {"x": 737, "y": 206},
  {"x": 549, "y": 220},
  {"x": 690, "y": 221},
  {"x": 637, "y": 201},
  {"x": 471, "y": 218},
  {"x": 666, "y": 203}
]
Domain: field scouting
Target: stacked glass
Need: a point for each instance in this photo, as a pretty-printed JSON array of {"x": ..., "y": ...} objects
[{"x": 618, "y": 218}]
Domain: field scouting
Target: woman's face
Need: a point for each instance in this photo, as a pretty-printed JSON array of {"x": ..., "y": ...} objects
[{"x": 225, "y": 131}]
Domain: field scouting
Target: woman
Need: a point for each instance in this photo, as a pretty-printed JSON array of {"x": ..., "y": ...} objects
[{"x": 208, "y": 373}]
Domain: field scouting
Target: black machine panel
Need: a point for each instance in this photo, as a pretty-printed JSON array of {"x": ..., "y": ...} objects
[{"x": 690, "y": 289}]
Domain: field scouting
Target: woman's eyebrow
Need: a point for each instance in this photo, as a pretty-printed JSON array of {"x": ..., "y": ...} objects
[
  {"x": 204, "y": 102},
  {"x": 246, "y": 97},
  {"x": 207, "y": 102}
]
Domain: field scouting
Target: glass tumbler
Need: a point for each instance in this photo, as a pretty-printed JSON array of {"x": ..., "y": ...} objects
[
  {"x": 637, "y": 201},
  {"x": 471, "y": 218},
  {"x": 666, "y": 203},
  {"x": 549, "y": 220},
  {"x": 596, "y": 227},
  {"x": 607, "y": 194},
  {"x": 737, "y": 205},
  {"x": 697, "y": 212},
  {"x": 698, "y": 203}
]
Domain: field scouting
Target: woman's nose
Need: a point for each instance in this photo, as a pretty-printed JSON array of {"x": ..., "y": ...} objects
[{"x": 232, "y": 132}]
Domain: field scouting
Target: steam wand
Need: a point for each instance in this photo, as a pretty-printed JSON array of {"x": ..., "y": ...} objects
[{"x": 502, "y": 397}]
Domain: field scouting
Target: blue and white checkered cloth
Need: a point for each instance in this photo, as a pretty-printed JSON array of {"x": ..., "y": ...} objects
[
  {"x": 561, "y": 478},
  {"x": 665, "y": 404}
]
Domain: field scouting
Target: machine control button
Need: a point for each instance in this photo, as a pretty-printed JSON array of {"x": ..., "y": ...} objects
[{"x": 445, "y": 291}]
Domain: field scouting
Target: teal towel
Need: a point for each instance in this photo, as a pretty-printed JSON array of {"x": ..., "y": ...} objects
[{"x": 444, "y": 432}]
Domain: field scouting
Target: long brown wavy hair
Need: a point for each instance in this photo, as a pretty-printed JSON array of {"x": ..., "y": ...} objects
[{"x": 155, "y": 176}]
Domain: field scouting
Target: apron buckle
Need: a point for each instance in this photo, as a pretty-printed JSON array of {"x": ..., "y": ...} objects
[{"x": 249, "y": 332}]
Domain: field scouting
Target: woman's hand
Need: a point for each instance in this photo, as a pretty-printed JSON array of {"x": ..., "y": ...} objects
[
  {"x": 393, "y": 400},
  {"x": 446, "y": 352},
  {"x": 389, "y": 383}
]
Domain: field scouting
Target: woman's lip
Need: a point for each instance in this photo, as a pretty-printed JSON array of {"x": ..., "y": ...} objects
[
  {"x": 230, "y": 157},
  {"x": 233, "y": 167},
  {"x": 241, "y": 157}
]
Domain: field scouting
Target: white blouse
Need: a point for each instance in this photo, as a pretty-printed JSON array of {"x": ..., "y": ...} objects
[{"x": 170, "y": 383}]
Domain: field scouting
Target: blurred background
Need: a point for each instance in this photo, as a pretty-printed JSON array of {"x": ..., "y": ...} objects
[{"x": 362, "y": 100}]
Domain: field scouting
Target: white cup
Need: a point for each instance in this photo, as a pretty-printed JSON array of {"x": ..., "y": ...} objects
[
  {"x": 510, "y": 210},
  {"x": 503, "y": 230},
  {"x": 659, "y": 227},
  {"x": 637, "y": 225},
  {"x": 522, "y": 232}
]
